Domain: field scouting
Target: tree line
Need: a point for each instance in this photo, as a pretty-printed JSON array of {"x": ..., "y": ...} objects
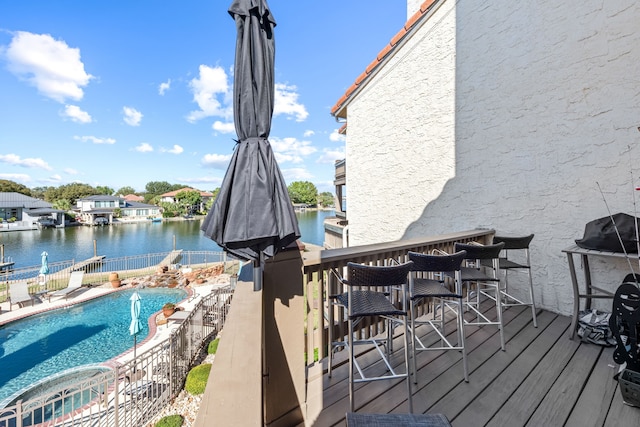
[{"x": 65, "y": 196}]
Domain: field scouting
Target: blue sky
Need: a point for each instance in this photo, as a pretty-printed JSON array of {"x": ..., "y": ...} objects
[{"x": 122, "y": 93}]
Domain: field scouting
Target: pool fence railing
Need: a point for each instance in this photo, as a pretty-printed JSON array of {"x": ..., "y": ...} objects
[
  {"x": 97, "y": 269},
  {"x": 128, "y": 394}
]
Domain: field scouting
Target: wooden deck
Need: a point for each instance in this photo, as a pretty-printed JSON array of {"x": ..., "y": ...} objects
[{"x": 542, "y": 379}]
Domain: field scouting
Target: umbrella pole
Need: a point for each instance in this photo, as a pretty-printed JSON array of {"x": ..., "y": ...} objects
[{"x": 257, "y": 273}]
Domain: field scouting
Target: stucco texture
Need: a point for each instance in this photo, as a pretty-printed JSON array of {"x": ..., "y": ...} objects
[{"x": 504, "y": 115}]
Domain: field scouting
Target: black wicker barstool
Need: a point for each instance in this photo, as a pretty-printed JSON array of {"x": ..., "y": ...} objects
[
  {"x": 427, "y": 281},
  {"x": 369, "y": 289},
  {"x": 483, "y": 270}
]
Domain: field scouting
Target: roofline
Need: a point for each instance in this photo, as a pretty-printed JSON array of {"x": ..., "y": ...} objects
[{"x": 413, "y": 24}]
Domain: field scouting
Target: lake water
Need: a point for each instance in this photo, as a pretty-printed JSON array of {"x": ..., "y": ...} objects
[{"x": 76, "y": 243}]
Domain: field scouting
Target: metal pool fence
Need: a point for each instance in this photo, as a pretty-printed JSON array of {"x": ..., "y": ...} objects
[
  {"x": 131, "y": 394},
  {"x": 97, "y": 269}
]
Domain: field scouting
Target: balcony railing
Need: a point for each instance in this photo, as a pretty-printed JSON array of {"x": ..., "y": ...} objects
[{"x": 291, "y": 315}]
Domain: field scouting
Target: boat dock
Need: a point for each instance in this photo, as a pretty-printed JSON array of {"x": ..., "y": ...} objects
[
  {"x": 85, "y": 265},
  {"x": 172, "y": 258},
  {"x": 6, "y": 265}
]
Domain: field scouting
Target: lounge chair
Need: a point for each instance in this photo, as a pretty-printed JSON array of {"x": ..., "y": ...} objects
[
  {"x": 19, "y": 294},
  {"x": 75, "y": 283}
]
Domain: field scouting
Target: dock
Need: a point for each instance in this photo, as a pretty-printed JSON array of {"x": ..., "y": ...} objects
[
  {"x": 85, "y": 265},
  {"x": 6, "y": 266},
  {"x": 172, "y": 258}
]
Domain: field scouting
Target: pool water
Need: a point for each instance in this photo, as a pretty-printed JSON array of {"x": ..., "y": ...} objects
[{"x": 95, "y": 331}]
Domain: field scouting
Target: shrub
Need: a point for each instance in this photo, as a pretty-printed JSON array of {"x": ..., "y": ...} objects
[
  {"x": 197, "y": 379},
  {"x": 213, "y": 346},
  {"x": 170, "y": 421}
]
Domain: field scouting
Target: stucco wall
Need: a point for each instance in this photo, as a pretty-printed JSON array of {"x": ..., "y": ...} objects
[{"x": 506, "y": 115}]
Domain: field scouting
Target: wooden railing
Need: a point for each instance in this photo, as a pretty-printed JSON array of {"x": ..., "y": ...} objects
[{"x": 321, "y": 284}]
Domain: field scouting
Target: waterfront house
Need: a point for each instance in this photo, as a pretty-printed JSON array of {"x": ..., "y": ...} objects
[
  {"x": 205, "y": 197},
  {"x": 101, "y": 209},
  {"x": 26, "y": 212}
]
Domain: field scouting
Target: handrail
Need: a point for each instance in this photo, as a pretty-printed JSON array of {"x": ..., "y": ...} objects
[{"x": 320, "y": 285}]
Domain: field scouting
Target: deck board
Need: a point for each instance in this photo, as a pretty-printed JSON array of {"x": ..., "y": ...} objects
[{"x": 543, "y": 378}]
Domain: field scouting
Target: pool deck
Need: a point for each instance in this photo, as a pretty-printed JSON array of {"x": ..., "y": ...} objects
[{"x": 157, "y": 333}]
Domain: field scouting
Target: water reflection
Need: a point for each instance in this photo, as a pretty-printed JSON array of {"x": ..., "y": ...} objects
[{"x": 77, "y": 243}]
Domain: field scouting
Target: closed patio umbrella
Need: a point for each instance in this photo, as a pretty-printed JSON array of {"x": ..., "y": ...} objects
[
  {"x": 134, "y": 327},
  {"x": 252, "y": 217},
  {"x": 44, "y": 270}
]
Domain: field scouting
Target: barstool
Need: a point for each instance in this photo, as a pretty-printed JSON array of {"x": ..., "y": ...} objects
[
  {"x": 487, "y": 280},
  {"x": 427, "y": 281},
  {"x": 368, "y": 292},
  {"x": 523, "y": 262}
]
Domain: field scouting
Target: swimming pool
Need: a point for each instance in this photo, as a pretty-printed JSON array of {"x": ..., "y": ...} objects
[{"x": 95, "y": 331}]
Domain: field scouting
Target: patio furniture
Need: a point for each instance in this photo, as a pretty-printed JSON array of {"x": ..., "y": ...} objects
[
  {"x": 591, "y": 291},
  {"x": 486, "y": 279},
  {"x": 427, "y": 281},
  {"x": 396, "y": 420},
  {"x": 369, "y": 289},
  {"x": 75, "y": 284},
  {"x": 515, "y": 257},
  {"x": 19, "y": 294}
]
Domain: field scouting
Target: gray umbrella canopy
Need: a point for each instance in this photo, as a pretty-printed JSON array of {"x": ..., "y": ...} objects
[{"x": 252, "y": 217}]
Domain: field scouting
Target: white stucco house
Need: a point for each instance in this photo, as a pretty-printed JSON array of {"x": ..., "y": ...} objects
[
  {"x": 503, "y": 115},
  {"x": 170, "y": 197},
  {"x": 100, "y": 209}
]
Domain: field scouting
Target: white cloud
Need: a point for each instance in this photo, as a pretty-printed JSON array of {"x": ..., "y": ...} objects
[
  {"x": 95, "y": 139},
  {"x": 206, "y": 89},
  {"x": 132, "y": 117},
  {"x": 286, "y": 102},
  {"x": 216, "y": 161},
  {"x": 308, "y": 133},
  {"x": 330, "y": 156},
  {"x": 144, "y": 148},
  {"x": 228, "y": 127},
  {"x": 175, "y": 150},
  {"x": 202, "y": 180},
  {"x": 55, "y": 178},
  {"x": 335, "y": 136},
  {"x": 291, "y": 150},
  {"x": 50, "y": 65},
  {"x": 76, "y": 114},
  {"x": 70, "y": 171},
  {"x": 296, "y": 174},
  {"x": 15, "y": 160},
  {"x": 165, "y": 86},
  {"x": 18, "y": 177}
]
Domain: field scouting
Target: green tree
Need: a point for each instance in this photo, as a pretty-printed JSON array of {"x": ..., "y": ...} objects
[
  {"x": 71, "y": 192},
  {"x": 103, "y": 189},
  {"x": 170, "y": 210},
  {"x": 303, "y": 192},
  {"x": 126, "y": 190},
  {"x": 326, "y": 199},
  {"x": 7, "y": 186},
  {"x": 156, "y": 188},
  {"x": 62, "y": 204},
  {"x": 189, "y": 200},
  {"x": 38, "y": 192}
]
